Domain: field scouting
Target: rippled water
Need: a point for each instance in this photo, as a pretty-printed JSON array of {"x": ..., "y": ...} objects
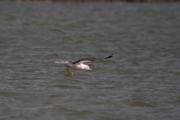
[{"x": 141, "y": 82}]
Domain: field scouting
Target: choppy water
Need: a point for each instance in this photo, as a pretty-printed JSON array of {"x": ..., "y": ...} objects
[{"x": 141, "y": 82}]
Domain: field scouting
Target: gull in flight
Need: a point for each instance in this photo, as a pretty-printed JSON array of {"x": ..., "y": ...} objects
[{"x": 80, "y": 64}]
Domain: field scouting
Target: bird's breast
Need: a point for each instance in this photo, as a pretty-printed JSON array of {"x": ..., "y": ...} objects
[{"x": 83, "y": 66}]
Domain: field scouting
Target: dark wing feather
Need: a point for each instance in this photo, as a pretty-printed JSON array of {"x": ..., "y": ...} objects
[
  {"x": 110, "y": 56},
  {"x": 90, "y": 59}
]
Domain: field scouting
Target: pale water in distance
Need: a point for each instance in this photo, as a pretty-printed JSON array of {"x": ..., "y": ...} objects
[{"x": 141, "y": 81}]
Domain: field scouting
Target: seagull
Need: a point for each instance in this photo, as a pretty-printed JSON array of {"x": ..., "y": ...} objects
[{"x": 81, "y": 63}]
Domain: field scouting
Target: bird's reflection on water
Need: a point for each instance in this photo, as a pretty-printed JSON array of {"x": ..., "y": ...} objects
[{"x": 69, "y": 72}]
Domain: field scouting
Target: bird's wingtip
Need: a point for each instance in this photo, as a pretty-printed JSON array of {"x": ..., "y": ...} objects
[{"x": 110, "y": 56}]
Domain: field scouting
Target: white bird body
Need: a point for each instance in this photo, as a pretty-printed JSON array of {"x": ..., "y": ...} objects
[
  {"x": 77, "y": 65},
  {"x": 83, "y": 66}
]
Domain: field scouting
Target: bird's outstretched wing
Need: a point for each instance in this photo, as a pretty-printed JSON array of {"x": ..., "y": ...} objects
[
  {"x": 84, "y": 60},
  {"x": 90, "y": 59}
]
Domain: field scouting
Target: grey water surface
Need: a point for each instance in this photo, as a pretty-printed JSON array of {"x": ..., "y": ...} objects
[{"x": 141, "y": 81}]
